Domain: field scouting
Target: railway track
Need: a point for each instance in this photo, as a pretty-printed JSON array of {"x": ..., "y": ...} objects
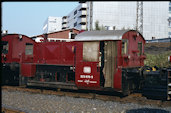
[
  {"x": 133, "y": 98},
  {"x": 7, "y": 110}
]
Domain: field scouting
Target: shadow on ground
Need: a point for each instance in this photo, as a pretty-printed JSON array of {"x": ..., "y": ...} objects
[{"x": 147, "y": 110}]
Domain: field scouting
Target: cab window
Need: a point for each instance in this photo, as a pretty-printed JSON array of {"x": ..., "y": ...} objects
[
  {"x": 90, "y": 51},
  {"x": 140, "y": 48},
  {"x": 124, "y": 46},
  {"x": 29, "y": 49},
  {"x": 5, "y": 47}
]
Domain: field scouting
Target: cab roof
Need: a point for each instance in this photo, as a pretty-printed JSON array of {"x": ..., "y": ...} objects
[{"x": 101, "y": 35}]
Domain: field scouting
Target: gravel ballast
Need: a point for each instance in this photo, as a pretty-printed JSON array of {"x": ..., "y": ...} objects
[{"x": 41, "y": 103}]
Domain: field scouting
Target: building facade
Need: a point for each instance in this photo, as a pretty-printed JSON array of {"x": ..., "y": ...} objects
[
  {"x": 77, "y": 18},
  {"x": 169, "y": 20},
  {"x": 120, "y": 15},
  {"x": 52, "y": 24}
]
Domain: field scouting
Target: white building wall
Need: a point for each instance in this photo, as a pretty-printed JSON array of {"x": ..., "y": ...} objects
[
  {"x": 52, "y": 24},
  {"x": 72, "y": 18},
  {"x": 155, "y": 21},
  {"x": 123, "y": 15},
  {"x": 116, "y": 14},
  {"x": 169, "y": 20}
]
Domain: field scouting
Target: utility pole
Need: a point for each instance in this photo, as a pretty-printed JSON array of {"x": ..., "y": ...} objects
[
  {"x": 91, "y": 15},
  {"x": 139, "y": 17}
]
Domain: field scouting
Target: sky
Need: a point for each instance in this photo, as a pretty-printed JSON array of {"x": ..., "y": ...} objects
[{"x": 28, "y": 17}]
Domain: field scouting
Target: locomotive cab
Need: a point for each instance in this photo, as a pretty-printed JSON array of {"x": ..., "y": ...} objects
[{"x": 109, "y": 60}]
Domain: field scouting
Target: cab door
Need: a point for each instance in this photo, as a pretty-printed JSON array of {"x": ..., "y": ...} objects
[
  {"x": 110, "y": 62},
  {"x": 87, "y": 61}
]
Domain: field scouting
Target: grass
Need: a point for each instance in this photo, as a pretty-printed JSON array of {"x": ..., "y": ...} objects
[{"x": 159, "y": 60}]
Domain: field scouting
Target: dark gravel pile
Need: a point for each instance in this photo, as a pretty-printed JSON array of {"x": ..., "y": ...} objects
[
  {"x": 157, "y": 48},
  {"x": 40, "y": 103}
]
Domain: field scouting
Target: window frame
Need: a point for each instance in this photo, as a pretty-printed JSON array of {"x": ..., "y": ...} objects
[
  {"x": 93, "y": 50},
  {"x": 30, "y": 52},
  {"x": 140, "y": 51},
  {"x": 75, "y": 12},
  {"x": 5, "y": 44},
  {"x": 125, "y": 41}
]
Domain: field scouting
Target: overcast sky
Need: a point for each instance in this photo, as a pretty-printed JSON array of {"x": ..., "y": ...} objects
[{"x": 28, "y": 17}]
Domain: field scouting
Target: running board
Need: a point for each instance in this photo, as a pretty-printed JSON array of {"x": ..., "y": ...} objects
[{"x": 61, "y": 85}]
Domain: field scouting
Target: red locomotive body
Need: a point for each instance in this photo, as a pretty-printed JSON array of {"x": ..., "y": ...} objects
[{"x": 56, "y": 53}]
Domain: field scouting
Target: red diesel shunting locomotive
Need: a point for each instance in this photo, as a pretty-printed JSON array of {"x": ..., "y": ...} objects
[{"x": 95, "y": 60}]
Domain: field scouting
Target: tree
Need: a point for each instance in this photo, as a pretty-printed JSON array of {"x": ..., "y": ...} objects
[
  {"x": 123, "y": 28},
  {"x": 102, "y": 27},
  {"x": 97, "y": 25}
]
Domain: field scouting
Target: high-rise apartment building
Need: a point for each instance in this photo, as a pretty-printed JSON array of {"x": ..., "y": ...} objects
[
  {"x": 120, "y": 15},
  {"x": 77, "y": 18},
  {"x": 52, "y": 24}
]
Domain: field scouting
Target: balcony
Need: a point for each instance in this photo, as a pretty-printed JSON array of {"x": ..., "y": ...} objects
[
  {"x": 82, "y": 13},
  {"x": 83, "y": 27},
  {"x": 64, "y": 17},
  {"x": 64, "y": 21},
  {"x": 82, "y": 6},
  {"x": 64, "y": 25},
  {"x": 82, "y": 21}
]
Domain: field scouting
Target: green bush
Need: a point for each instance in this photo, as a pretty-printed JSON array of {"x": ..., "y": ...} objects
[{"x": 159, "y": 60}]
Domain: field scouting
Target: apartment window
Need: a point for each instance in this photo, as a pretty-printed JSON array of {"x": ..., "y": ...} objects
[
  {"x": 52, "y": 21},
  {"x": 75, "y": 24},
  {"x": 124, "y": 47},
  {"x": 29, "y": 49},
  {"x": 75, "y": 12},
  {"x": 170, "y": 34},
  {"x": 169, "y": 23},
  {"x": 5, "y": 47},
  {"x": 73, "y": 35}
]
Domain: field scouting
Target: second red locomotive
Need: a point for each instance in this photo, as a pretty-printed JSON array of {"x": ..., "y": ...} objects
[{"x": 15, "y": 47}]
